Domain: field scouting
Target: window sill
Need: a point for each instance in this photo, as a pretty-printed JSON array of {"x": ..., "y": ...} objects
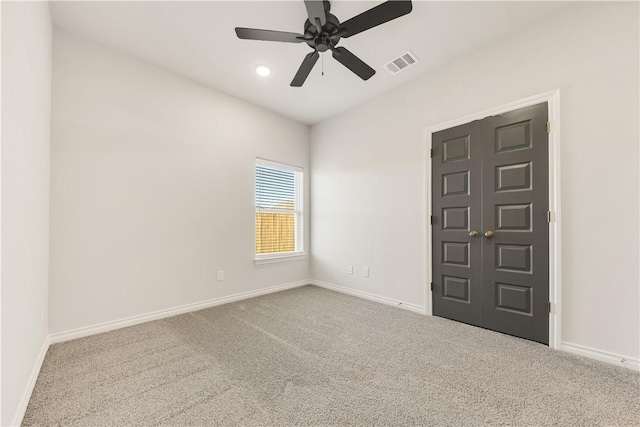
[{"x": 279, "y": 258}]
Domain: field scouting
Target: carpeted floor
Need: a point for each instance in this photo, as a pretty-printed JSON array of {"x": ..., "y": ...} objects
[{"x": 309, "y": 356}]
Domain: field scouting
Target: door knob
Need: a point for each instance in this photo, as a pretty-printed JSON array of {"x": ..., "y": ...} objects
[
  {"x": 489, "y": 234},
  {"x": 474, "y": 233}
]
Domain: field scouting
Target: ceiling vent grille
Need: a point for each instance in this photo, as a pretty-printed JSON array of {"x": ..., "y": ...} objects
[{"x": 402, "y": 62}]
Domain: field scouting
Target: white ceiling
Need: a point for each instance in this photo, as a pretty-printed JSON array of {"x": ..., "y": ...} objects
[{"x": 197, "y": 40}]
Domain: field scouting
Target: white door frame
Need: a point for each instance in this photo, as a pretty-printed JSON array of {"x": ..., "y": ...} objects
[{"x": 552, "y": 98}]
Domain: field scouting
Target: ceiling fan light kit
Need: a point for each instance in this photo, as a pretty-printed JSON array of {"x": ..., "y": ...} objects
[{"x": 323, "y": 31}]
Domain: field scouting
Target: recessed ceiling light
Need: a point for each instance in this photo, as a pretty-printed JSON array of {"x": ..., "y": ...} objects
[{"x": 263, "y": 70}]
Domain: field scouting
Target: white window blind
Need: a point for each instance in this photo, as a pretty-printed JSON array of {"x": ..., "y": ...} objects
[{"x": 279, "y": 209}]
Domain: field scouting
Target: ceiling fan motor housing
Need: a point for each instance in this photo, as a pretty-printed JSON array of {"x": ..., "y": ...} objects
[{"x": 324, "y": 40}]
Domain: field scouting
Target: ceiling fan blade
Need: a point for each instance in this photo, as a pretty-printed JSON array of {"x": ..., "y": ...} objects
[
  {"x": 380, "y": 14},
  {"x": 304, "y": 70},
  {"x": 268, "y": 35},
  {"x": 315, "y": 11},
  {"x": 353, "y": 63}
]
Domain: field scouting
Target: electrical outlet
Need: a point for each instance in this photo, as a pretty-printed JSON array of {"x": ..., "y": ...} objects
[
  {"x": 350, "y": 269},
  {"x": 220, "y": 275},
  {"x": 365, "y": 272}
]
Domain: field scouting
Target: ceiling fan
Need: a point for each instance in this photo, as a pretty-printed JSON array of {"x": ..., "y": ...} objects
[{"x": 323, "y": 31}]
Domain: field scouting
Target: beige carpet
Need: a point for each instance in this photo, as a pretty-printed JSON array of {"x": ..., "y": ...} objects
[{"x": 309, "y": 356}]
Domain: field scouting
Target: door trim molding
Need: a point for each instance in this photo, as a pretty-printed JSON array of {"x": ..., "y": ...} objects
[{"x": 552, "y": 98}]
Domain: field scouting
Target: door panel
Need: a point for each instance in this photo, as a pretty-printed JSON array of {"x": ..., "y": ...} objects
[
  {"x": 515, "y": 201},
  {"x": 456, "y": 186},
  {"x": 491, "y": 175}
]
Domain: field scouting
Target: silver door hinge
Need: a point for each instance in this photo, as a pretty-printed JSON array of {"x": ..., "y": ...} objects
[
  {"x": 549, "y": 306},
  {"x": 431, "y": 152},
  {"x": 548, "y": 216},
  {"x": 431, "y": 220},
  {"x": 431, "y": 285},
  {"x": 548, "y": 126}
]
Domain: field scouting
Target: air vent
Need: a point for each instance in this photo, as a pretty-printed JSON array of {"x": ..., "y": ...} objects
[{"x": 402, "y": 62}]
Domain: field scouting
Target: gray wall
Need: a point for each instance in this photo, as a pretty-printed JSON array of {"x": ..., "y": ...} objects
[
  {"x": 26, "y": 109},
  {"x": 152, "y": 188},
  {"x": 368, "y": 168}
]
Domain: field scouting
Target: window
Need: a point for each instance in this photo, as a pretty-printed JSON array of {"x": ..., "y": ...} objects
[{"x": 279, "y": 212}]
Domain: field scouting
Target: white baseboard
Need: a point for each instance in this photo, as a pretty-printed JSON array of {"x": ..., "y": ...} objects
[
  {"x": 592, "y": 353},
  {"x": 31, "y": 383},
  {"x": 160, "y": 314},
  {"x": 603, "y": 356},
  {"x": 368, "y": 296}
]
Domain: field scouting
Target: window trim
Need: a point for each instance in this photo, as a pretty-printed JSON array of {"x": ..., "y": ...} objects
[
  {"x": 278, "y": 165},
  {"x": 279, "y": 257},
  {"x": 276, "y": 257}
]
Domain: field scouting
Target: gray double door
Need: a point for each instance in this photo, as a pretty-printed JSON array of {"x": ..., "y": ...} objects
[{"x": 490, "y": 201}]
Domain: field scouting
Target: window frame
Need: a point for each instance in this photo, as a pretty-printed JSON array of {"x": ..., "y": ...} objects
[{"x": 299, "y": 214}]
